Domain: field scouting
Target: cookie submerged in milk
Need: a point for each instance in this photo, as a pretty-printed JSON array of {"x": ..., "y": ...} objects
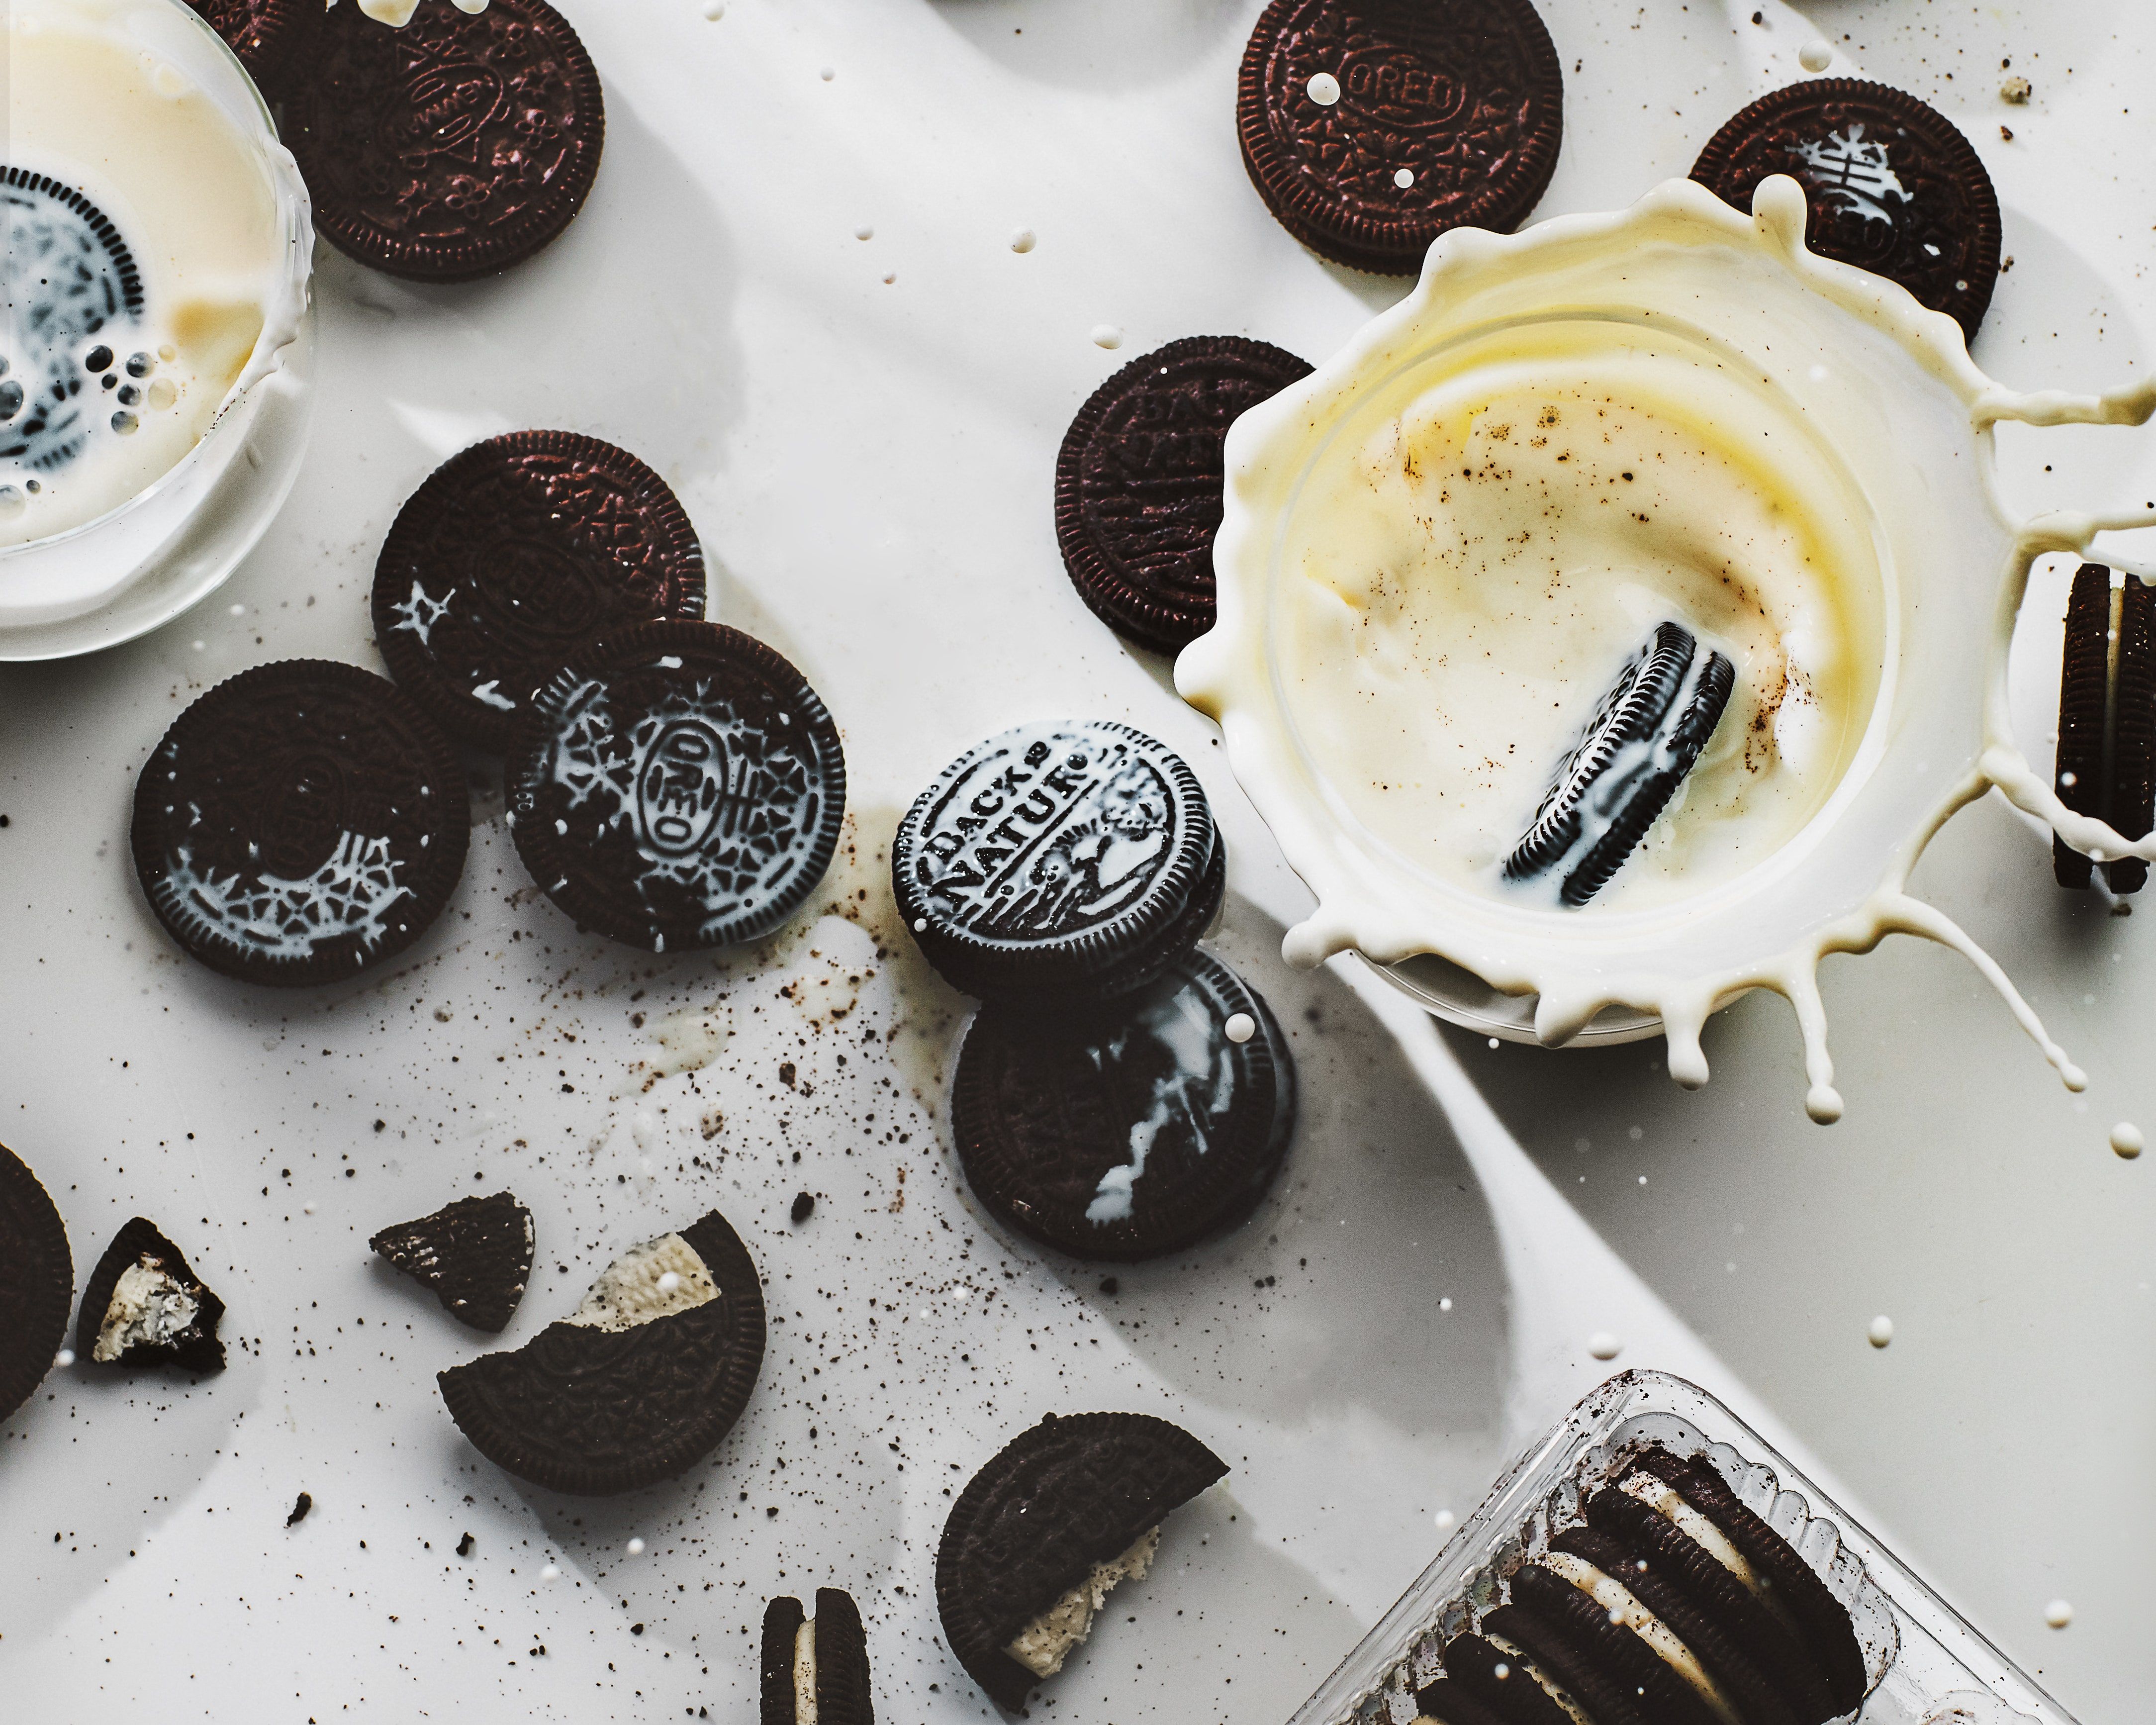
[
  {"x": 1133, "y": 1129},
  {"x": 638, "y": 1385},
  {"x": 474, "y": 1254},
  {"x": 142, "y": 1306},
  {"x": 815, "y": 1671},
  {"x": 1040, "y": 1535}
]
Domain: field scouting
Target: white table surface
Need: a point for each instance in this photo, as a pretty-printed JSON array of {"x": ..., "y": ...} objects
[{"x": 869, "y": 463}]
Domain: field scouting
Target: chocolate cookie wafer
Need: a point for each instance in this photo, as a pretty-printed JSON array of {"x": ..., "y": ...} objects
[
  {"x": 1370, "y": 127},
  {"x": 1138, "y": 482},
  {"x": 37, "y": 1282},
  {"x": 2107, "y": 750},
  {"x": 815, "y": 1671},
  {"x": 271, "y": 38},
  {"x": 142, "y": 1306},
  {"x": 476, "y": 1254}
]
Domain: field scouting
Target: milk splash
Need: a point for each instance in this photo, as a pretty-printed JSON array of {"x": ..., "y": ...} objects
[{"x": 1890, "y": 389}]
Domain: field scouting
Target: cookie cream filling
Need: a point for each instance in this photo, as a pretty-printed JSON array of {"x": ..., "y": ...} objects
[
  {"x": 804, "y": 1674},
  {"x": 149, "y": 1308},
  {"x": 656, "y": 1280},
  {"x": 1624, "y": 1607},
  {"x": 1044, "y": 1644}
]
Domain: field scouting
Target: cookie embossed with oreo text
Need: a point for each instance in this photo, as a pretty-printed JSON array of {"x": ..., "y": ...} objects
[
  {"x": 678, "y": 784},
  {"x": 1075, "y": 857},
  {"x": 453, "y": 147},
  {"x": 301, "y": 821},
  {"x": 1891, "y": 184},
  {"x": 1370, "y": 127},
  {"x": 514, "y": 554},
  {"x": 37, "y": 1282},
  {"x": 1138, "y": 482}
]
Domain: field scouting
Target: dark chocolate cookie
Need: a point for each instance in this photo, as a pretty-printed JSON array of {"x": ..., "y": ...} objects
[
  {"x": 1371, "y": 126},
  {"x": 476, "y": 1255},
  {"x": 1645, "y": 1681},
  {"x": 37, "y": 1283},
  {"x": 1497, "y": 1677},
  {"x": 1055, "y": 1501},
  {"x": 271, "y": 38},
  {"x": 300, "y": 820},
  {"x": 142, "y": 1306},
  {"x": 1893, "y": 186},
  {"x": 2107, "y": 752},
  {"x": 1444, "y": 1702},
  {"x": 640, "y": 1385},
  {"x": 451, "y": 148},
  {"x": 678, "y": 784},
  {"x": 1133, "y": 1130},
  {"x": 835, "y": 1672},
  {"x": 514, "y": 555},
  {"x": 1065, "y": 857},
  {"x": 1138, "y": 482},
  {"x": 1559, "y": 1659}
]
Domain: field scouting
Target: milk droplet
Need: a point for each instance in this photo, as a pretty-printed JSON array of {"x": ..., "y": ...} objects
[
  {"x": 199, "y": 646},
  {"x": 1882, "y": 1331},
  {"x": 1241, "y": 1027},
  {"x": 1605, "y": 1346},
  {"x": 237, "y": 610},
  {"x": 64, "y": 1359},
  {"x": 1493, "y": 1042},
  {"x": 1403, "y": 177},
  {"x": 889, "y": 277},
  {"x": 1445, "y": 1520},
  {"x": 1022, "y": 239},
  {"x": 307, "y": 1209},
  {"x": 1324, "y": 89},
  {"x": 2058, "y": 1614},
  {"x": 2127, "y": 1141},
  {"x": 1107, "y": 335},
  {"x": 864, "y": 232},
  {"x": 828, "y": 74},
  {"x": 714, "y": 9},
  {"x": 636, "y": 1547},
  {"x": 670, "y": 1283},
  {"x": 1816, "y": 55},
  {"x": 550, "y": 1573},
  {"x": 1445, "y": 1304}
]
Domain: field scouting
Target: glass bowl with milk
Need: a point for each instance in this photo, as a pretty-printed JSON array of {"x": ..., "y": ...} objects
[
  {"x": 154, "y": 399},
  {"x": 1443, "y": 549}
]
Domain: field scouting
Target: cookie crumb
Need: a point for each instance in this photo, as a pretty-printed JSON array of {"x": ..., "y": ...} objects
[{"x": 2016, "y": 90}]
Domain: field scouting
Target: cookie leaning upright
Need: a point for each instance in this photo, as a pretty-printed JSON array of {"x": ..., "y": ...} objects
[
  {"x": 299, "y": 822},
  {"x": 815, "y": 1671},
  {"x": 37, "y": 1282},
  {"x": 1138, "y": 482},
  {"x": 453, "y": 147},
  {"x": 677, "y": 784},
  {"x": 1371, "y": 126},
  {"x": 1042, "y": 1533},
  {"x": 2107, "y": 751},
  {"x": 1068, "y": 857},
  {"x": 512, "y": 556},
  {"x": 1891, "y": 184}
]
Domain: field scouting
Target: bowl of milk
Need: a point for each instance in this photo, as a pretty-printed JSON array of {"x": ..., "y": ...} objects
[
  {"x": 1440, "y": 549},
  {"x": 154, "y": 400}
]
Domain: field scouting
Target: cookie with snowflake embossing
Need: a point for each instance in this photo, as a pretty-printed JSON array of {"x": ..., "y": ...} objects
[
  {"x": 513, "y": 555},
  {"x": 678, "y": 784},
  {"x": 299, "y": 822}
]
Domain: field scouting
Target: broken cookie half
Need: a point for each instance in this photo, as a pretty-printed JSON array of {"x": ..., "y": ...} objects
[
  {"x": 816, "y": 1670},
  {"x": 474, "y": 1254},
  {"x": 638, "y": 1385},
  {"x": 144, "y": 1306},
  {"x": 1043, "y": 1533}
]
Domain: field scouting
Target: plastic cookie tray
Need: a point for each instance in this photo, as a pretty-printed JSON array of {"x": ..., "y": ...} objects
[{"x": 1923, "y": 1664}]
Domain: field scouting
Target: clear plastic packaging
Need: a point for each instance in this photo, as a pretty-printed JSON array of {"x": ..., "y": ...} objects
[{"x": 1923, "y": 1664}]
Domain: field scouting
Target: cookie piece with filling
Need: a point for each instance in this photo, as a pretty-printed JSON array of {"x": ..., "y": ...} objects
[
  {"x": 1047, "y": 1528},
  {"x": 37, "y": 1282},
  {"x": 638, "y": 1385},
  {"x": 1496, "y": 1673},
  {"x": 815, "y": 1671},
  {"x": 144, "y": 1306},
  {"x": 474, "y": 1254},
  {"x": 2107, "y": 751}
]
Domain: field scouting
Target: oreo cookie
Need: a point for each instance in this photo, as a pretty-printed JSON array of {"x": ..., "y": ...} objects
[
  {"x": 1039, "y": 1536},
  {"x": 1370, "y": 127},
  {"x": 1138, "y": 482},
  {"x": 515, "y": 554},
  {"x": 37, "y": 1283},
  {"x": 1066, "y": 858},
  {"x": 815, "y": 1671},
  {"x": 1132, "y": 1129},
  {"x": 1499, "y": 1674},
  {"x": 452, "y": 148},
  {"x": 1444, "y": 1702},
  {"x": 676, "y": 785},
  {"x": 638, "y": 1385},
  {"x": 1892, "y": 186},
  {"x": 1634, "y": 753},
  {"x": 270, "y": 38},
  {"x": 144, "y": 1306},
  {"x": 2107, "y": 755},
  {"x": 474, "y": 1254},
  {"x": 301, "y": 821}
]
